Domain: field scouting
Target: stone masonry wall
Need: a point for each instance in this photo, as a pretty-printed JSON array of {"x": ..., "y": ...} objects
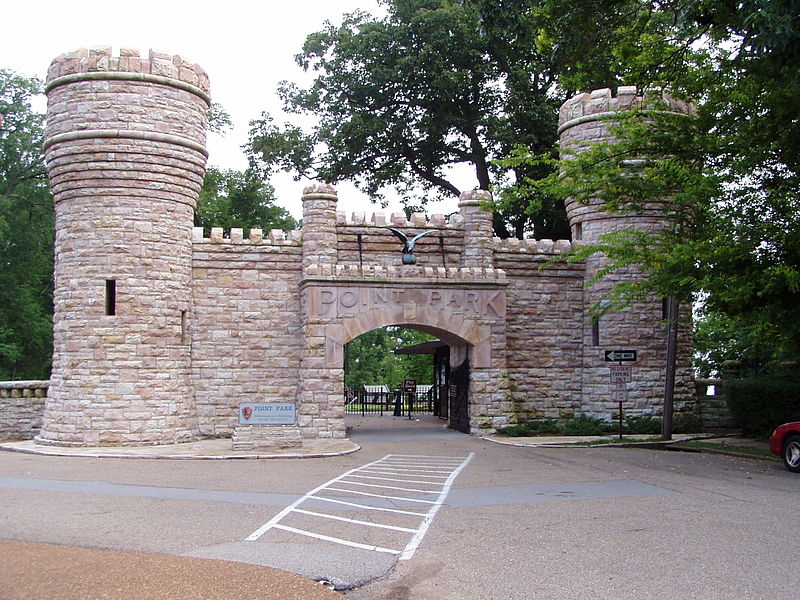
[
  {"x": 545, "y": 328},
  {"x": 367, "y": 242},
  {"x": 21, "y": 408},
  {"x": 246, "y": 337}
]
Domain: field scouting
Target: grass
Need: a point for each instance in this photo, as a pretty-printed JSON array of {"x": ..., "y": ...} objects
[
  {"x": 760, "y": 452},
  {"x": 616, "y": 440}
]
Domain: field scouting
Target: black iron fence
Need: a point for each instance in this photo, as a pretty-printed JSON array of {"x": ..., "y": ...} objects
[{"x": 396, "y": 402}]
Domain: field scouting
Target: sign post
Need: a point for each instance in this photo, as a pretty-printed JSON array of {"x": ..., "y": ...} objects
[
  {"x": 410, "y": 388},
  {"x": 620, "y": 376}
]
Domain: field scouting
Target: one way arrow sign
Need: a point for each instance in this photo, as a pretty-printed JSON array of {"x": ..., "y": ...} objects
[{"x": 620, "y": 355}]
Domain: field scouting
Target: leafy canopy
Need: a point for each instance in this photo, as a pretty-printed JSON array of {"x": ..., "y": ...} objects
[
  {"x": 370, "y": 359},
  {"x": 405, "y": 102},
  {"x": 26, "y": 235},
  {"x": 727, "y": 180},
  {"x": 232, "y": 198}
]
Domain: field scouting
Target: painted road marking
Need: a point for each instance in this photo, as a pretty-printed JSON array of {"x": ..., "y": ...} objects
[
  {"x": 335, "y": 540},
  {"x": 356, "y": 521},
  {"x": 382, "y": 496},
  {"x": 367, "y": 507},
  {"x": 404, "y": 470}
]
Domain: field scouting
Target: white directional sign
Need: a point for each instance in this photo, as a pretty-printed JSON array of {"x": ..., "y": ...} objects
[
  {"x": 620, "y": 355},
  {"x": 620, "y": 393},
  {"x": 620, "y": 373}
]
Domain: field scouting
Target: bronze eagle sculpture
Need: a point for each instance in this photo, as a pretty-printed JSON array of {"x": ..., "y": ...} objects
[{"x": 408, "y": 244}]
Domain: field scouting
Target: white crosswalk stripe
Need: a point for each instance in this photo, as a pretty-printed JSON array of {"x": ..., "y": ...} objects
[{"x": 405, "y": 493}]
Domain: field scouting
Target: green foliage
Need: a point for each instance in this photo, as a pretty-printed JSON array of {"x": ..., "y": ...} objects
[
  {"x": 759, "y": 404},
  {"x": 239, "y": 199},
  {"x": 719, "y": 338},
  {"x": 26, "y": 235},
  {"x": 620, "y": 42},
  {"x": 404, "y": 99},
  {"x": 584, "y": 425},
  {"x": 641, "y": 425},
  {"x": 686, "y": 423},
  {"x": 578, "y": 426},
  {"x": 727, "y": 179},
  {"x": 219, "y": 120},
  {"x": 531, "y": 428},
  {"x": 370, "y": 359}
]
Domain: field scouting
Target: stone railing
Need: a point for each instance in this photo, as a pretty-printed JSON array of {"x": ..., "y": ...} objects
[{"x": 21, "y": 408}]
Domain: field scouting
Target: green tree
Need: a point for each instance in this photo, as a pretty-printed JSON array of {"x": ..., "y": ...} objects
[
  {"x": 26, "y": 235},
  {"x": 231, "y": 198},
  {"x": 370, "y": 359},
  {"x": 403, "y": 100},
  {"x": 728, "y": 178}
]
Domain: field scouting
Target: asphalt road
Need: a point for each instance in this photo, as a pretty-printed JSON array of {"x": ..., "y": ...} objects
[{"x": 515, "y": 523}]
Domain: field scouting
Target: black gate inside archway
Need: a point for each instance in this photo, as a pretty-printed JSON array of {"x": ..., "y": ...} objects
[{"x": 458, "y": 394}]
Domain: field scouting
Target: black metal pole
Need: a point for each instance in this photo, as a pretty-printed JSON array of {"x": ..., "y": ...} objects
[{"x": 672, "y": 352}]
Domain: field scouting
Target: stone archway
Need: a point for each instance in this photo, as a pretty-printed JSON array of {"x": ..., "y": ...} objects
[
  {"x": 466, "y": 315},
  {"x": 446, "y": 351}
]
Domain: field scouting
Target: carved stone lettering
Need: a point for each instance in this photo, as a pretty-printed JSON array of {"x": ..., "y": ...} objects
[{"x": 333, "y": 302}]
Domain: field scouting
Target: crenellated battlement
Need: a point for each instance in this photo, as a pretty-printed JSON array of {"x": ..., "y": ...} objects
[
  {"x": 399, "y": 219},
  {"x": 256, "y": 237},
  {"x": 530, "y": 246},
  {"x": 375, "y": 248},
  {"x": 592, "y": 106},
  {"x": 100, "y": 63}
]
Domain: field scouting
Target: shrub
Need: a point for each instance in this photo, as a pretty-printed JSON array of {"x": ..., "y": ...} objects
[
  {"x": 530, "y": 428},
  {"x": 583, "y": 425},
  {"x": 759, "y": 404},
  {"x": 686, "y": 423},
  {"x": 642, "y": 425}
]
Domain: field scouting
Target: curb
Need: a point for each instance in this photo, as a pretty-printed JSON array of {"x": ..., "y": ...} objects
[
  {"x": 53, "y": 451},
  {"x": 664, "y": 445},
  {"x": 672, "y": 447}
]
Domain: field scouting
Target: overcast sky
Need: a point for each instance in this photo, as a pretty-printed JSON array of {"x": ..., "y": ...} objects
[{"x": 246, "y": 47}]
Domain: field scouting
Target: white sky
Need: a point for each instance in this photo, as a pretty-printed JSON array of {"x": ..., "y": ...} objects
[{"x": 246, "y": 47}]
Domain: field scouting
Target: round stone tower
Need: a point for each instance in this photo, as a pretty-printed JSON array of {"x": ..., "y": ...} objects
[
  {"x": 125, "y": 151},
  {"x": 584, "y": 120}
]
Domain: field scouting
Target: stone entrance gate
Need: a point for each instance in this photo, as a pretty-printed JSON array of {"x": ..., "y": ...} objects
[{"x": 161, "y": 333}]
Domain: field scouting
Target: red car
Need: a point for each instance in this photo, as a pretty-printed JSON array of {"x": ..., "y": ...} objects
[{"x": 785, "y": 442}]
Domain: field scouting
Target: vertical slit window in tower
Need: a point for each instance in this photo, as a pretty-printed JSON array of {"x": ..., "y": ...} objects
[
  {"x": 664, "y": 304},
  {"x": 184, "y": 327},
  {"x": 578, "y": 231},
  {"x": 441, "y": 246},
  {"x": 360, "y": 257},
  {"x": 595, "y": 331},
  {"x": 111, "y": 297}
]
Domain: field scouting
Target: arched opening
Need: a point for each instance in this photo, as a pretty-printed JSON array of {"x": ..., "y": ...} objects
[{"x": 416, "y": 372}]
